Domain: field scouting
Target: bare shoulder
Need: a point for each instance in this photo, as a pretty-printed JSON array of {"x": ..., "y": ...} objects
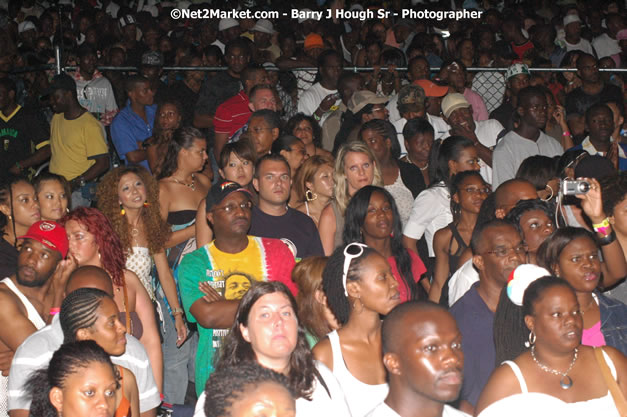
[
  {"x": 323, "y": 352},
  {"x": 8, "y": 300},
  {"x": 327, "y": 214},
  {"x": 502, "y": 383},
  {"x": 442, "y": 235}
]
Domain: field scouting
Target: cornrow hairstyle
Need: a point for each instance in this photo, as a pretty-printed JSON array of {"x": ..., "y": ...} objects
[
  {"x": 79, "y": 311},
  {"x": 356, "y": 213},
  {"x": 510, "y": 332},
  {"x": 236, "y": 350},
  {"x": 387, "y": 131},
  {"x": 6, "y": 198},
  {"x": 332, "y": 281},
  {"x": 225, "y": 387},
  {"x": 68, "y": 360}
]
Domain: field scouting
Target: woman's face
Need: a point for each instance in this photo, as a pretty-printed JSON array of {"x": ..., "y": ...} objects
[
  {"x": 556, "y": 319},
  {"x": 467, "y": 161},
  {"x": 619, "y": 218},
  {"x": 379, "y": 220},
  {"x": 579, "y": 264},
  {"x": 322, "y": 181},
  {"x": 238, "y": 170},
  {"x": 53, "y": 201},
  {"x": 25, "y": 205},
  {"x": 83, "y": 245},
  {"x": 195, "y": 156},
  {"x": 295, "y": 156},
  {"x": 269, "y": 399},
  {"x": 536, "y": 227},
  {"x": 89, "y": 391},
  {"x": 379, "y": 145},
  {"x": 272, "y": 329},
  {"x": 419, "y": 146},
  {"x": 108, "y": 331},
  {"x": 131, "y": 191},
  {"x": 471, "y": 194},
  {"x": 378, "y": 289},
  {"x": 169, "y": 117},
  {"x": 304, "y": 132},
  {"x": 359, "y": 171}
]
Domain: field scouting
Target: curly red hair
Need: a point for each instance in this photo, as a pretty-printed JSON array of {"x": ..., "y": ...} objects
[{"x": 109, "y": 245}]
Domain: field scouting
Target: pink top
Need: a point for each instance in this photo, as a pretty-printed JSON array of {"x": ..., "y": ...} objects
[
  {"x": 593, "y": 336},
  {"x": 479, "y": 110},
  {"x": 417, "y": 268}
]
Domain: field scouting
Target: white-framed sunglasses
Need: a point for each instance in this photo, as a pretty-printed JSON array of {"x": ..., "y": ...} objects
[{"x": 351, "y": 251}]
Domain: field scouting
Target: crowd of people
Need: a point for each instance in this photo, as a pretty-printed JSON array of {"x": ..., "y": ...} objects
[{"x": 282, "y": 236}]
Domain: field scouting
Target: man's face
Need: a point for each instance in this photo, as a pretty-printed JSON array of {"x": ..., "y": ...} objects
[
  {"x": 430, "y": 360},
  {"x": 142, "y": 94},
  {"x": 573, "y": 30},
  {"x": 273, "y": 182},
  {"x": 354, "y": 84},
  {"x": 88, "y": 64},
  {"x": 434, "y": 106},
  {"x": 588, "y": 69},
  {"x": 262, "y": 135},
  {"x": 130, "y": 32},
  {"x": 237, "y": 60},
  {"x": 59, "y": 100},
  {"x": 35, "y": 263},
  {"x": 463, "y": 118},
  {"x": 500, "y": 252},
  {"x": 534, "y": 111},
  {"x": 264, "y": 99},
  {"x": 232, "y": 216},
  {"x": 332, "y": 69},
  {"x": 600, "y": 124},
  {"x": 518, "y": 82},
  {"x": 419, "y": 70}
]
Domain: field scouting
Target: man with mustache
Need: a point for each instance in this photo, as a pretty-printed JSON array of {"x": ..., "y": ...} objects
[
  {"x": 423, "y": 357},
  {"x": 203, "y": 272},
  {"x": 32, "y": 296}
]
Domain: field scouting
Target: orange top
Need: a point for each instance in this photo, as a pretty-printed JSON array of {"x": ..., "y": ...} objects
[{"x": 124, "y": 409}]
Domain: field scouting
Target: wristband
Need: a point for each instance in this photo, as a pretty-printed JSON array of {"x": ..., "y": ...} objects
[
  {"x": 566, "y": 133},
  {"x": 55, "y": 310},
  {"x": 604, "y": 241},
  {"x": 603, "y": 227},
  {"x": 176, "y": 311}
]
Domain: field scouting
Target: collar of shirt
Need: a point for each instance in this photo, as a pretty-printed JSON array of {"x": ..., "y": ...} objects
[{"x": 587, "y": 146}]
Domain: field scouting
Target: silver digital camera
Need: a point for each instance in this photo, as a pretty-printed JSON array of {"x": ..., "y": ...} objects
[{"x": 575, "y": 187}]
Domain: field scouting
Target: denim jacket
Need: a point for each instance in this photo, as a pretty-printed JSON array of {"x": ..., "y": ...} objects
[{"x": 613, "y": 322}]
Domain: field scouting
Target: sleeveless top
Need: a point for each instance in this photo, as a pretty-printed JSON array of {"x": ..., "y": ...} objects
[
  {"x": 124, "y": 408},
  {"x": 140, "y": 263},
  {"x": 38, "y": 322},
  {"x": 453, "y": 258},
  {"x": 339, "y": 225},
  {"x": 361, "y": 397},
  {"x": 538, "y": 404},
  {"x": 181, "y": 217}
]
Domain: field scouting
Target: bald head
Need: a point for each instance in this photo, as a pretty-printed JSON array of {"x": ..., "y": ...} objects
[
  {"x": 511, "y": 192},
  {"x": 89, "y": 277}
]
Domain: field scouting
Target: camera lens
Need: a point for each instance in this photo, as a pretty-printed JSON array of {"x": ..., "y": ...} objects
[{"x": 583, "y": 187}]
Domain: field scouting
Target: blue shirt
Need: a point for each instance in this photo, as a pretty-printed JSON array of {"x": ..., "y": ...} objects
[
  {"x": 128, "y": 128},
  {"x": 589, "y": 147}
]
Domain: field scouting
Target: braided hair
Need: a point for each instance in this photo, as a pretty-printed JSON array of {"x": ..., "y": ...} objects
[{"x": 79, "y": 311}]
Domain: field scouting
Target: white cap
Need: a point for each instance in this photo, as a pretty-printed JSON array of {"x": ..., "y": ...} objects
[
  {"x": 571, "y": 18},
  {"x": 25, "y": 25},
  {"x": 227, "y": 24},
  {"x": 264, "y": 26}
]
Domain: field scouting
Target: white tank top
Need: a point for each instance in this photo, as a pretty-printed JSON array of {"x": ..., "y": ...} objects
[
  {"x": 37, "y": 321},
  {"x": 361, "y": 397}
]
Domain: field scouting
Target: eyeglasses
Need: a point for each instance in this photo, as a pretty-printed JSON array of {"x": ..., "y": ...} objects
[
  {"x": 503, "y": 252},
  {"x": 229, "y": 208},
  {"x": 473, "y": 190},
  {"x": 352, "y": 251}
]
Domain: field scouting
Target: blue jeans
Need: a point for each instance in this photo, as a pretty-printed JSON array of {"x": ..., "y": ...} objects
[{"x": 178, "y": 362}]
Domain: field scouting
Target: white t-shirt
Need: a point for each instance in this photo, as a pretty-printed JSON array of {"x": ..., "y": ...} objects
[
  {"x": 321, "y": 403},
  {"x": 582, "y": 45},
  {"x": 311, "y": 99},
  {"x": 606, "y": 46},
  {"x": 431, "y": 212},
  {"x": 461, "y": 281},
  {"x": 487, "y": 132},
  {"x": 384, "y": 410}
]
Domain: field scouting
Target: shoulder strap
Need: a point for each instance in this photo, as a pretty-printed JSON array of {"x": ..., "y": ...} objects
[
  {"x": 31, "y": 311},
  {"x": 321, "y": 380},
  {"x": 519, "y": 376},
  {"x": 617, "y": 394}
]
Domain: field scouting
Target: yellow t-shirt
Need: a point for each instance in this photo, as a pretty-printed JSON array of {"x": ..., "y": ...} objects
[{"x": 74, "y": 144}]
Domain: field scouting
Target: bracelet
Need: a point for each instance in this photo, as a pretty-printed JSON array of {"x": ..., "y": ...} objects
[
  {"x": 55, "y": 310},
  {"x": 604, "y": 241},
  {"x": 603, "y": 227},
  {"x": 566, "y": 133},
  {"x": 176, "y": 311}
]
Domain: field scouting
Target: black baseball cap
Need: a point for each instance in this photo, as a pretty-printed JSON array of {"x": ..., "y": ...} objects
[{"x": 219, "y": 191}]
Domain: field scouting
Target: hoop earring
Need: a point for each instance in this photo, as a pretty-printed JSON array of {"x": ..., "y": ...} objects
[
  {"x": 310, "y": 195},
  {"x": 531, "y": 339},
  {"x": 122, "y": 211}
]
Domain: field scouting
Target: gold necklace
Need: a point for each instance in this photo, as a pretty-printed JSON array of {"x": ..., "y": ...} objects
[{"x": 192, "y": 185}]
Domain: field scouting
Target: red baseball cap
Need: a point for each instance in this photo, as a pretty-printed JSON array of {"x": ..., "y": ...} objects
[
  {"x": 50, "y": 234},
  {"x": 431, "y": 88}
]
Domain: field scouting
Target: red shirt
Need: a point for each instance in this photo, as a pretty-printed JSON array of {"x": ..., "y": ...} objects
[
  {"x": 521, "y": 49},
  {"x": 417, "y": 269},
  {"x": 232, "y": 114}
]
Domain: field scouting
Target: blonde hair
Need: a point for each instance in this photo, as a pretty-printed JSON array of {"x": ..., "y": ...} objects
[
  {"x": 306, "y": 174},
  {"x": 341, "y": 184}
]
